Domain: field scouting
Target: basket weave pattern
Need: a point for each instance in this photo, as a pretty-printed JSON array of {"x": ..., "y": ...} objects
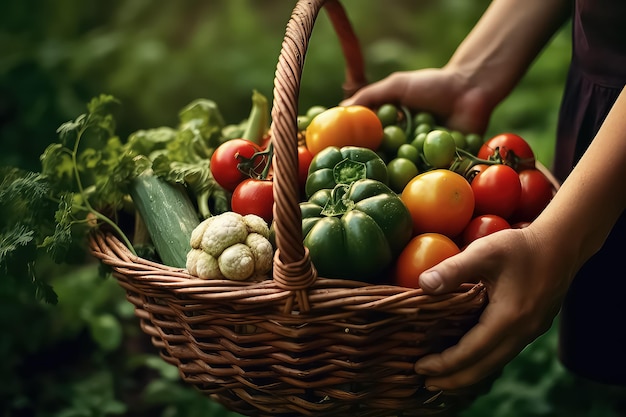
[{"x": 296, "y": 343}]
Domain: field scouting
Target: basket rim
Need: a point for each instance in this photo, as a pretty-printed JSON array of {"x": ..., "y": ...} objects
[{"x": 170, "y": 282}]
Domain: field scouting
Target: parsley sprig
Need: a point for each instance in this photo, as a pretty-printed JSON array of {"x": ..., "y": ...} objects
[{"x": 49, "y": 213}]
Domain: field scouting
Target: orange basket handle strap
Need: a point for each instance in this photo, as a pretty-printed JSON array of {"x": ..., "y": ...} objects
[
  {"x": 350, "y": 46},
  {"x": 293, "y": 269}
]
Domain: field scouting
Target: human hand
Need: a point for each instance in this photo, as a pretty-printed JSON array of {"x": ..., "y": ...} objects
[
  {"x": 526, "y": 280},
  {"x": 454, "y": 101}
]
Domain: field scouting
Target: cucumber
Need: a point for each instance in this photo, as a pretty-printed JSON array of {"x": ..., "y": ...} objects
[{"x": 169, "y": 216}]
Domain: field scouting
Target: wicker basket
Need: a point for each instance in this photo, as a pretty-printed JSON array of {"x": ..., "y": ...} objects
[{"x": 297, "y": 344}]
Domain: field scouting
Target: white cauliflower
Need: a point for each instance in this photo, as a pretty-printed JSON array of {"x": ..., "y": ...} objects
[{"x": 230, "y": 246}]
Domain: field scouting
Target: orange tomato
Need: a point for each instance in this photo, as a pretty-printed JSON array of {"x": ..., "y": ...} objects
[
  {"x": 440, "y": 201},
  {"x": 421, "y": 253},
  {"x": 344, "y": 126}
]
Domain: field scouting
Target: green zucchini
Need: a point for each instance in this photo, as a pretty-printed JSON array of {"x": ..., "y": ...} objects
[{"x": 169, "y": 216}]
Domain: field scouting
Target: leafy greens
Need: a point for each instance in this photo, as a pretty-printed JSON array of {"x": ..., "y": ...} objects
[{"x": 84, "y": 184}]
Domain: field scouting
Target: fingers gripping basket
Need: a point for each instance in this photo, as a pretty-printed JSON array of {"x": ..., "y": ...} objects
[{"x": 296, "y": 343}]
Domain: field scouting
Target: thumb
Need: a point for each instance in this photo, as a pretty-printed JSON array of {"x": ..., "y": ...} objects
[{"x": 448, "y": 275}]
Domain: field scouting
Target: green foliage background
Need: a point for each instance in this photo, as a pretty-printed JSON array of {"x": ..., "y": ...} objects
[{"x": 86, "y": 356}]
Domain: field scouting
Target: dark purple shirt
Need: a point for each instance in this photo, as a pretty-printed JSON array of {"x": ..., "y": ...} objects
[
  {"x": 596, "y": 77},
  {"x": 592, "y": 331},
  {"x": 599, "y": 34}
]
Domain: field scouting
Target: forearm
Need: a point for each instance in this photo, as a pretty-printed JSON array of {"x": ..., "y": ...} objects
[
  {"x": 593, "y": 197},
  {"x": 505, "y": 41}
]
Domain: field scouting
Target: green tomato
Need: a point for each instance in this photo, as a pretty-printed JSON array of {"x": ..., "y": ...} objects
[
  {"x": 401, "y": 171},
  {"x": 305, "y": 119},
  {"x": 303, "y": 122},
  {"x": 422, "y": 128},
  {"x": 393, "y": 138},
  {"x": 388, "y": 114},
  {"x": 409, "y": 152},
  {"x": 314, "y": 111},
  {"x": 439, "y": 148},
  {"x": 459, "y": 139},
  {"x": 355, "y": 231},
  {"x": 424, "y": 118},
  {"x": 418, "y": 142},
  {"x": 473, "y": 142}
]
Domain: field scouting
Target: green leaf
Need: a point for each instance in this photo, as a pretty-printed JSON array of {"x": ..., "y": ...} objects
[
  {"x": 26, "y": 216},
  {"x": 201, "y": 114},
  {"x": 90, "y": 158},
  {"x": 68, "y": 132},
  {"x": 59, "y": 243},
  {"x": 106, "y": 331},
  {"x": 18, "y": 250},
  {"x": 114, "y": 174},
  {"x": 56, "y": 163},
  {"x": 103, "y": 105},
  {"x": 19, "y": 237},
  {"x": 45, "y": 292},
  {"x": 203, "y": 119},
  {"x": 23, "y": 198},
  {"x": 147, "y": 141},
  {"x": 20, "y": 188}
]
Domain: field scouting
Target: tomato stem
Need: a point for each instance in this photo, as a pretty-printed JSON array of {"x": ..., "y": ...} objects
[
  {"x": 250, "y": 166},
  {"x": 347, "y": 171},
  {"x": 338, "y": 204},
  {"x": 269, "y": 152},
  {"x": 465, "y": 161}
]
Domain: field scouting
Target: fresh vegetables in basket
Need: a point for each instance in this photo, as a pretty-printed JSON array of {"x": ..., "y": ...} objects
[{"x": 173, "y": 178}]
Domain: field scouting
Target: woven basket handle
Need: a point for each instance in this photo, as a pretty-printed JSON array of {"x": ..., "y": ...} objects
[{"x": 293, "y": 269}]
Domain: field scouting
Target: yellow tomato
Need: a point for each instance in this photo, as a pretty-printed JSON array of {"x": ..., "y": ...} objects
[
  {"x": 440, "y": 201},
  {"x": 344, "y": 126}
]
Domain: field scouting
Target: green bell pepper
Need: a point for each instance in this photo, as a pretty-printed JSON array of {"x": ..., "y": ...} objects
[
  {"x": 356, "y": 230},
  {"x": 334, "y": 165}
]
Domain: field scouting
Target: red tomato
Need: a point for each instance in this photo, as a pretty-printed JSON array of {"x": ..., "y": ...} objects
[
  {"x": 537, "y": 191},
  {"x": 254, "y": 196},
  {"x": 483, "y": 225},
  {"x": 304, "y": 161},
  {"x": 497, "y": 190},
  {"x": 512, "y": 148},
  {"x": 231, "y": 164},
  {"x": 439, "y": 201},
  {"x": 344, "y": 126},
  {"x": 421, "y": 253}
]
